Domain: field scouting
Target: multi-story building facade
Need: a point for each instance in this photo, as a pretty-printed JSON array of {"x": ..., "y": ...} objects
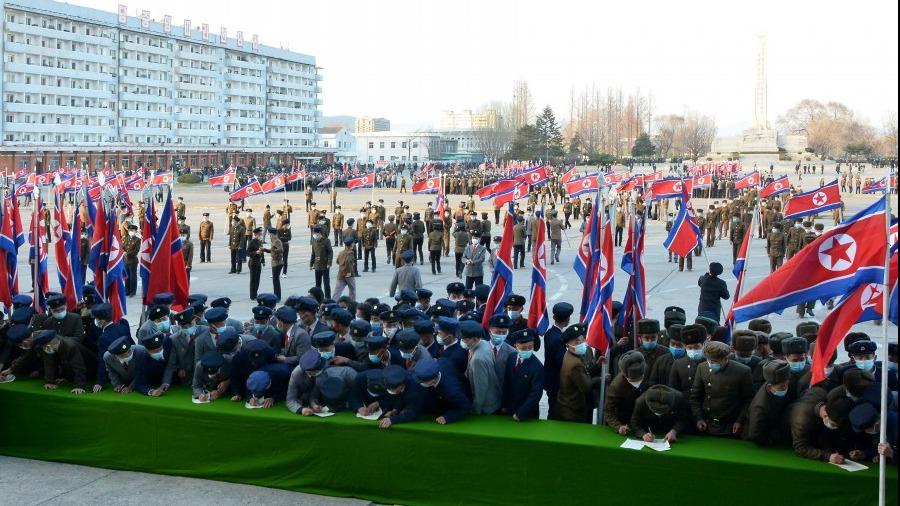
[
  {"x": 366, "y": 125},
  {"x": 397, "y": 147},
  {"x": 468, "y": 120},
  {"x": 341, "y": 140},
  {"x": 97, "y": 88}
]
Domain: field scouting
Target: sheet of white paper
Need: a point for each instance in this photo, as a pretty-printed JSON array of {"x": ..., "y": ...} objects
[
  {"x": 373, "y": 416},
  {"x": 852, "y": 466},
  {"x": 632, "y": 444},
  {"x": 198, "y": 401},
  {"x": 9, "y": 378},
  {"x": 325, "y": 414},
  {"x": 248, "y": 406},
  {"x": 660, "y": 445}
]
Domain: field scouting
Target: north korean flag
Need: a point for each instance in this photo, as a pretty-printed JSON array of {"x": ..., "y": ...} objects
[
  {"x": 496, "y": 188},
  {"x": 815, "y": 201},
  {"x": 777, "y": 187},
  {"x": 653, "y": 176},
  {"x": 44, "y": 179},
  {"x": 748, "y": 181},
  {"x": 570, "y": 175},
  {"x": 631, "y": 184},
  {"x": 702, "y": 181},
  {"x": 226, "y": 179},
  {"x": 875, "y": 186},
  {"x": 248, "y": 190},
  {"x": 534, "y": 176},
  {"x": 538, "y": 317},
  {"x": 366, "y": 181},
  {"x": 295, "y": 176},
  {"x": 685, "y": 235},
  {"x": 599, "y": 313},
  {"x": 273, "y": 185},
  {"x": 502, "y": 279},
  {"x": 671, "y": 188},
  {"x": 613, "y": 178},
  {"x": 161, "y": 178},
  {"x": 581, "y": 186},
  {"x": 429, "y": 185},
  {"x": 518, "y": 192},
  {"x": 845, "y": 257},
  {"x": 135, "y": 183}
]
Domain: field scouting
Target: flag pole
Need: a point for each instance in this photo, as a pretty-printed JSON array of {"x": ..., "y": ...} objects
[
  {"x": 885, "y": 311},
  {"x": 605, "y": 356},
  {"x": 36, "y": 244}
]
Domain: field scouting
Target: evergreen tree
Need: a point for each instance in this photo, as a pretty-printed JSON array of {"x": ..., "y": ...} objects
[
  {"x": 643, "y": 147},
  {"x": 550, "y": 138}
]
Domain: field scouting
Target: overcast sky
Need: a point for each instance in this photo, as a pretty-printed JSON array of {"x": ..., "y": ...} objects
[{"x": 408, "y": 60}]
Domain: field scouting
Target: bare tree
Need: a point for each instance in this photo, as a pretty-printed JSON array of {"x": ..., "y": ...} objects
[
  {"x": 522, "y": 105},
  {"x": 493, "y": 142},
  {"x": 669, "y": 129},
  {"x": 888, "y": 141},
  {"x": 698, "y": 134}
]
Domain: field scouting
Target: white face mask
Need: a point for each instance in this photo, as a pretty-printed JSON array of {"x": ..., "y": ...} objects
[{"x": 474, "y": 240}]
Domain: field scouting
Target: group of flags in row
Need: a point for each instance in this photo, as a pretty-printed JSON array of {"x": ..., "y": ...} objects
[{"x": 254, "y": 187}]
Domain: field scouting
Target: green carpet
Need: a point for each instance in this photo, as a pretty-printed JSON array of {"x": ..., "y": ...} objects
[{"x": 481, "y": 460}]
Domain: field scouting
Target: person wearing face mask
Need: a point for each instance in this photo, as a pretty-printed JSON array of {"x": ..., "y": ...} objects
[
  {"x": 660, "y": 411},
  {"x": 284, "y": 236},
  {"x": 794, "y": 240},
  {"x": 410, "y": 351},
  {"x": 865, "y": 420},
  {"x": 862, "y": 355},
  {"x": 554, "y": 353},
  {"x": 260, "y": 328},
  {"x": 816, "y": 427},
  {"x": 359, "y": 331},
  {"x": 649, "y": 347},
  {"x": 473, "y": 260},
  {"x": 435, "y": 246},
  {"x": 268, "y": 385},
  {"x": 766, "y": 413},
  {"x": 21, "y": 352},
  {"x": 302, "y": 381},
  {"x": 500, "y": 339},
  {"x": 578, "y": 375},
  {"x": 776, "y": 244},
  {"x": 624, "y": 390},
  {"x": 294, "y": 340},
  {"x": 60, "y": 320},
  {"x": 405, "y": 400},
  {"x": 425, "y": 328},
  {"x": 523, "y": 382},
  {"x": 721, "y": 393},
  {"x": 379, "y": 355},
  {"x": 403, "y": 243},
  {"x": 389, "y": 232},
  {"x": 123, "y": 359},
  {"x": 796, "y": 353},
  {"x": 235, "y": 241},
  {"x": 157, "y": 321},
  {"x": 154, "y": 370},
  {"x": 205, "y": 234},
  {"x": 444, "y": 393},
  {"x": 450, "y": 349},
  {"x": 369, "y": 241},
  {"x": 252, "y": 356},
  {"x": 211, "y": 377},
  {"x": 64, "y": 360},
  {"x": 131, "y": 244},
  {"x": 662, "y": 366},
  {"x": 181, "y": 358},
  {"x": 743, "y": 345},
  {"x": 480, "y": 371},
  {"x": 320, "y": 260}
]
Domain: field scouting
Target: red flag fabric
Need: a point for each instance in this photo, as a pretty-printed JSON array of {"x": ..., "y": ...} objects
[
  {"x": 162, "y": 178},
  {"x": 748, "y": 181},
  {"x": 569, "y": 175},
  {"x": 365, "y": 181},
  {"x": 581, "y": 186},
  {"x": 248, "y": 190},
  {"x": 275, "y": 184},
  {"x": 702, "y": 181},
  {"x": 135, "y": 183},
  {"x": 496, "y": 188},
  {"x": 226, "y": 179},
  {"x": 777, "y": 187},
  {"x": 429, "y": 185},
  {"x": 519, "y": 191},
  {"x": 812, "y": 202},
  {"x": 535, "y": 176}
]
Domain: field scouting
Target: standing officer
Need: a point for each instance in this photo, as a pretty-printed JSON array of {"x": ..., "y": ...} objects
[
  {"x": 403, "y": 243},
  {"x": 575, "y": 402},
  {"x": 320, "y": 260},
  {"x": 346, "y": 262},
  {"x": 555, "y": 226},
  {"x": 519, "y": 243},
  {"x": 523, "y": 382},
  {"x": 794, "y": 240},
  {"x": 648, "y": 337},
  {"x": 480, "y": 370},
  {"x": 235, "y": 238},
  {"x": 369, "y": 242},
  {"x": 337, "y": 226},
  {"x": 276, "y": 251},
  {"x": 132, "y": 246},
  {"x": 473, "y": 259},
  {"x": 187, "y": 250},
  {"x": 418, "y": 234},
  {"x": 775, "y": 247},
  {"x": 284, "y": 235},
  {"x": 255, "y": 260},
  {"x": 205, "y": 235},
  {"x": 554, "y": 353},
  {"x": 736, "y": 236},
  {"x": 460, "y": 241},
  {"x": 435, "y": 245}
]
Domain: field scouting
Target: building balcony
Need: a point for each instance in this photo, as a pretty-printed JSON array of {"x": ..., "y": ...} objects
[
  {"x": 237, "y": 106},
  {"x": 52, "y": 52},
  {"x": 58, "y": 34},
  {"x": 230, "y": 76},
  {"x": 145, "y": 81},
  {"x": 144, "y": 131},
  {"x": 56, "y": 128},
  {"x": 145, "y": 97},
  {"x": 57, "y": 110},
  {"x": 233, "y": 62},
  {"x": 237, "y": 120},
  {"x": 40, "y": 70},
  {"x": 232, "y": 134},
  {"x": 210, "y": 87},
  {"x": 55, "y": 90},
  {"x": 137, "y": 114},
  {"x": 196, "y": 116},
  {"x": 188, "y": 55},
  {"x": 131, "y": 63},
  {"x": 199, "y": 102},
  {"x": 187, "y": 70}
]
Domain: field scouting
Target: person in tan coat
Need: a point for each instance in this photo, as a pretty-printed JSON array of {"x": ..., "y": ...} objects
[{"x": 577, "y": 376}]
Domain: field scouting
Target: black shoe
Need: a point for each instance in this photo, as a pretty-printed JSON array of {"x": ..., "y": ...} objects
[
  {"x": 232, "y": 272},
  {"x": 810, "y": 313}
]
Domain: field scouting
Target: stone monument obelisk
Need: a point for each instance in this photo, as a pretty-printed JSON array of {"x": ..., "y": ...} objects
[{"x": 760, "y": 138}]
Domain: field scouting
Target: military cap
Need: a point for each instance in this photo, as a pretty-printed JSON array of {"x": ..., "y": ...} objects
[
  {"x": 470, "y": 330},
  {"x": 856, "y": 381},
  {"x": 22, "y": 300},
  {"x": 360, "y": 328},
  {"x": 632, "y": 364},
  {"x": 793, "y": 345},
  {"x": 56, "y": 301},
  {"x": 808, "y": 328},
  {"x": 380, "y": 308},
  {"x": 331, "y": 388},
  {"x": 715, "y": 268},
  {"x": 708, "y": 323},
  {"x": 573, "y": 332},
  {"x": 348, "y": 241},
  {"x": 471, "y": 316},
  {"x": 375, "y": 342},
  {"x": 515, "y": 300},
  {"x": 807, "y": 224},
  {"x": 394, "y": 376},
  {"x": 760, "y": 324},
  {"x": 43, "y": 337},
  {"x": 185, "y": 317},
  {"x": 120, "y": 345},
  {"x": 407, "y": 339},
  {"x": 423, "y": 327},
  {"x": 22, "y": 315},
  {"x": 853, "y": 337},
  {"x": 227, "y": 339},
  {"x": 524, "y": 336},
  {"x": 408, "y": 255},
  {"x": 456, "y": 287},
  {"x": 311, "y": 361},
  {"x": 761, "y": 337},
  {"x": 90, "y": 295},
  {"x": 464, "y": 306},
  {"x": 838, "y": 409},
  {"x": 426, "y": 370},
  {"x": 375, "y": 381},
  {"x": 744, "y": 340},
  {"x": 715, "y": 350},
  {"x": 157, "y": 312},
  {"x": 163, "y": 298},
  {"x": 674, "y": 315},
  {"x": 223, "y": 302},
  {"x": 341, "y": 315},
  {"x": 307, "y": 303},
  {"x": 447, "y": 324},
  {"x": 863, "y": 416},
  {"x": 863, "y": 348},
  {"x": 476, "y": 233},
  {"x": 660, "y": 399},
  {"x": 442, "y": 307},
  {"x": 776, "y": 372},
  {"x": 261, "y": 312},
  {"x": 18, "y": 333},
  {"x": 647, "y": 326},
  {"x": 292, "y": 300},
  {"x": 258, "y": 382},
  {"x": 469, "y": 293},
  {"x": 152, "y": 342},
  {"x": 199, "y": 308},
  {"x": 256, "y": 349},
  {"x": 286, "y": 314},
  {"x": 197, "y": 297},
  {"x": 819, "y": 226},
  {"x": 500, "y": 321},
  {"x": 102, "y": 311},
  {"x": 482, "y": 292},
  {"x": 322, "y": 339},
  {"x": 674, "y": 332},
  {"x": 389, "y": 317},
  {"x": 424, "y": 293},
  {"x": 406, "y": 295},
  {"x": 216, "y": 315},
  {"x": 267, "y": 299},
  {"x": 562, "y": 310},
  {"x": 212, "y": 361},
  {"x": 775, "y": 340}
]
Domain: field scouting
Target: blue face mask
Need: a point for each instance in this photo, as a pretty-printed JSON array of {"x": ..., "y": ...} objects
[
  {"x": 60, "y": 315},
  {"x": 648, "y": 345},
  {"x": 866, "y": 365},
  {"x": 514, "y": 315},
  {"x": 259, "y": 327},
  {"x": 799, "y": 366},
  {"x": 376, "y": 329},
  {"x": 694, "y": 354},
  {"x": 327, "y": 355},
  {"x": 374, "y": 358},
  {"x": 439, "y": 340},
  {"x": 714, "y": 367},
  {"x": 498, "y": 339},
  {"x": 580, "y": 349},
  {"x": 464, "y": 345},
  {"x": 892, "y": 366},
  {"x": 779, "y": 393},
  {"x": 743, "y": 360},
  {"x": 157, "y": 356},
  {"x": 357, "y": 344},
  {"x": 164, "y": 326},
  {"x": 525, "y": 355},
  {"x": 676, "y": 352},
  {"x": 190, "y": 330},
  {"x": 407, "y": 354}
]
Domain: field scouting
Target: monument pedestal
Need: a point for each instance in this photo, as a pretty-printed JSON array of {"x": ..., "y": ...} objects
[{"x": 760, "y": 141}]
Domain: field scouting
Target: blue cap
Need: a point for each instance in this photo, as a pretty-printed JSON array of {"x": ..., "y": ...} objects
[
  {"x": 322, "y": 339},
  {"x": 406, "y": 295},
  {"x": 152, "y": 342},
  {"x": 212, "y": 361},
  {"x": 332, "y": 388},
  {"x": 456, "y": 287},
  {"x": 22, "y": 300},
  {"x": 407, "y": 339},
  {"x": 90, "y": 295},
  {"x": 163, "y": 298},
  {"x": 375, "y": 342},
  {"x": 157, "y": 312},
  {"x": 863, "y": 416},
  {"x": 102, "y": 311},
  {"x": 197, "y": 297},
  {"x": 18, "y": 333},
  {"x": 471, "y": 316},
  {"x": 227, "y": 340},
  {"x": 216, "y": 315},
  {"x": 500, "y": 321},
  {"x": 185, "y": 317},
  {"x": 262, "y": 312},
  {"x": 408, "y": 255},
  {"x": 120, "y": 345},
  {"x": 311, "y": 361},
  {"x": 348, "y": 241},
  {"x": 223, "y": 302},
  {"x": 426, "y": 370},
  {"x": 394, "y": 376},
  {"x": 447, "y": 324},
  {"x": 482, "y": 292},
  {"x": 389, "y": 317},
  {"x": 470, "y": 330},
  {"x": 56, "y": 301},
  {"x": 375, "y": 380},
  {"x": 22, "y": 315},
  {"x": 515, "y": 300},
  {"x": 424, "y": 293},
  {"x": 464, "y": 306},
  {"x": 524, "y": 336},
  {"x": 43, "y": 337},
  {"x": 267, "y": 299},
  {"x": 423, "y": 327},
  {"x": 256, "y": 350},
  {"x": 360, "y": 328},
  {"x": 286, "y": 314},
  {"x": 863, "y": 348},
  {"x": 258, "y": 382},
  {"x": 341, "y": 315},
  {"x": 562, "y": 310},
  {"x": 307, "y": 303}
]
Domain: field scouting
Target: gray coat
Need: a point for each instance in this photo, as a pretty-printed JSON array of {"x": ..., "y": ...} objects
[
  {"x": 182, "y": 355},
  {"x": 202, "y": 383},
  {"x": 298, "y": 344},
  {"x": 346, "y": 374},
  {"x": 483, "y": 381},
  {"x": 406, "y": 277},
  {"x": 121, "y": 375},
  {"x": 501, "y": 355},
  {"x": 476, "y": 268}
]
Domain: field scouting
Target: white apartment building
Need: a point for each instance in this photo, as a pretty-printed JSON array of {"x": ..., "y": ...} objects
[
  {"x": 340, "y": 140},
  {"x": 397, "y": 147}
]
